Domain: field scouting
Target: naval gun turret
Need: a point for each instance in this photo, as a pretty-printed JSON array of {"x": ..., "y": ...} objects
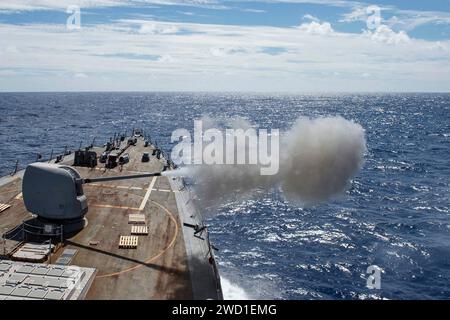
[{"x": 54, "y": 193}]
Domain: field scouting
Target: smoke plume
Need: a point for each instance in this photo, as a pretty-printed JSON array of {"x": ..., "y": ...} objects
[
  {"x": 318, "y": 158},
  {"x": 322, "y": 156}
]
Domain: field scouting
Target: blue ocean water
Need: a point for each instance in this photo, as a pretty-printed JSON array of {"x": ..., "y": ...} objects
[{"x": 396, "y": 214}]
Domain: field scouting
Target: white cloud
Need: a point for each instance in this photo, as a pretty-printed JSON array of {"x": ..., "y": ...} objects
[
  {"x": 219, "y": 52},
  {"x": 222, "y": 52},
  {"x": 401, "y": 19},
  {"x": 357, "y": 14},
  {"x": 187, "y": 13},
  {"x": 29, "y": 5},
  {"x": 254, "y": 10},
  {"x": 12, "y": 49},
  {"x": 310, "y": 17},
  {"x": 386, "y": 35},
  {"x": 438, "y": 46},
  {"x": 317, "y": 28},
  {"x": 49, "y": 56},
  {"x": 411, "y": 19},
  {"x": 334, "y": 3},
  {"x": 166, "y": 58},
  {"x": 155, "y": 28}
]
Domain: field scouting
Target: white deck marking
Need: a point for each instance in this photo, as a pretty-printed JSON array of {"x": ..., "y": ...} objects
[
  {"x": 4, "y": 206},
  {"x": 147, "y": 194}
]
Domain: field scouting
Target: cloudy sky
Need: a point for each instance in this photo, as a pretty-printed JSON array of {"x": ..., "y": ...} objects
[{"x": 231, "y": 45}]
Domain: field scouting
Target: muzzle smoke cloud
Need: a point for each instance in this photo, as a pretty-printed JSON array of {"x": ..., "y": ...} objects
[
  {"x": 322, "y": 156},
  {"x": 318, "y": 158}
]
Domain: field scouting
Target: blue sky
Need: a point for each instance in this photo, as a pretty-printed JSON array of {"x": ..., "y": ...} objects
[{"x": 213, "y": 45}]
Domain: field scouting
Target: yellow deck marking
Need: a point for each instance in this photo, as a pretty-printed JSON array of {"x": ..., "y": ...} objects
[
  {"x": 129, "y": 187},
  {"x": 19, "y": 196},
  {"x": 163, "y": 251},
  {"x": 117, "y": 207},
  {"x": 101, "y": 185},
  {"x": 112, "y": 170},
  {"x": 115, "y": 187},
  {"x": 5, "y": 191},
  {"x": 144, "y": 200},
  {"x": 147, "y": 194}
]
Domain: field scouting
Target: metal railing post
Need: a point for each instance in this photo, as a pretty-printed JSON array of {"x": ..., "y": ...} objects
[
  {"x": 16, "y": 167},
  {"x": 50, "y": 251}
]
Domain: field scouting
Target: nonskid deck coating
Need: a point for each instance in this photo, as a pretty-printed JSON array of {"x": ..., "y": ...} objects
[{"x": 158, "y": 268}]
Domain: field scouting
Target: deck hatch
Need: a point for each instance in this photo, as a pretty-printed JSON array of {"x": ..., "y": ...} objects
[
  {"x": 40, "y": 271},
  {"x": 4, "y": 267},
  {"x": 6, "y": 290},
  {"x": 21, "y": 291},
  {"x": 38, "y": 293},
  {"x": 72, "y": 284},
  {"x": 25, "y": 269},
  {"x": 66, "y": 257},
  {"x": 16, "y": 279},
  {"x": 55, "y": 295}
]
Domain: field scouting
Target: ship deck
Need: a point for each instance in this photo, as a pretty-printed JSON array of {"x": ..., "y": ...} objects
[{"x": 159, "y": 267}]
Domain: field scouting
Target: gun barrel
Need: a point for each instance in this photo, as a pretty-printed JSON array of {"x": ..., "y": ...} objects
[{"x": 135, "y": 176}]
